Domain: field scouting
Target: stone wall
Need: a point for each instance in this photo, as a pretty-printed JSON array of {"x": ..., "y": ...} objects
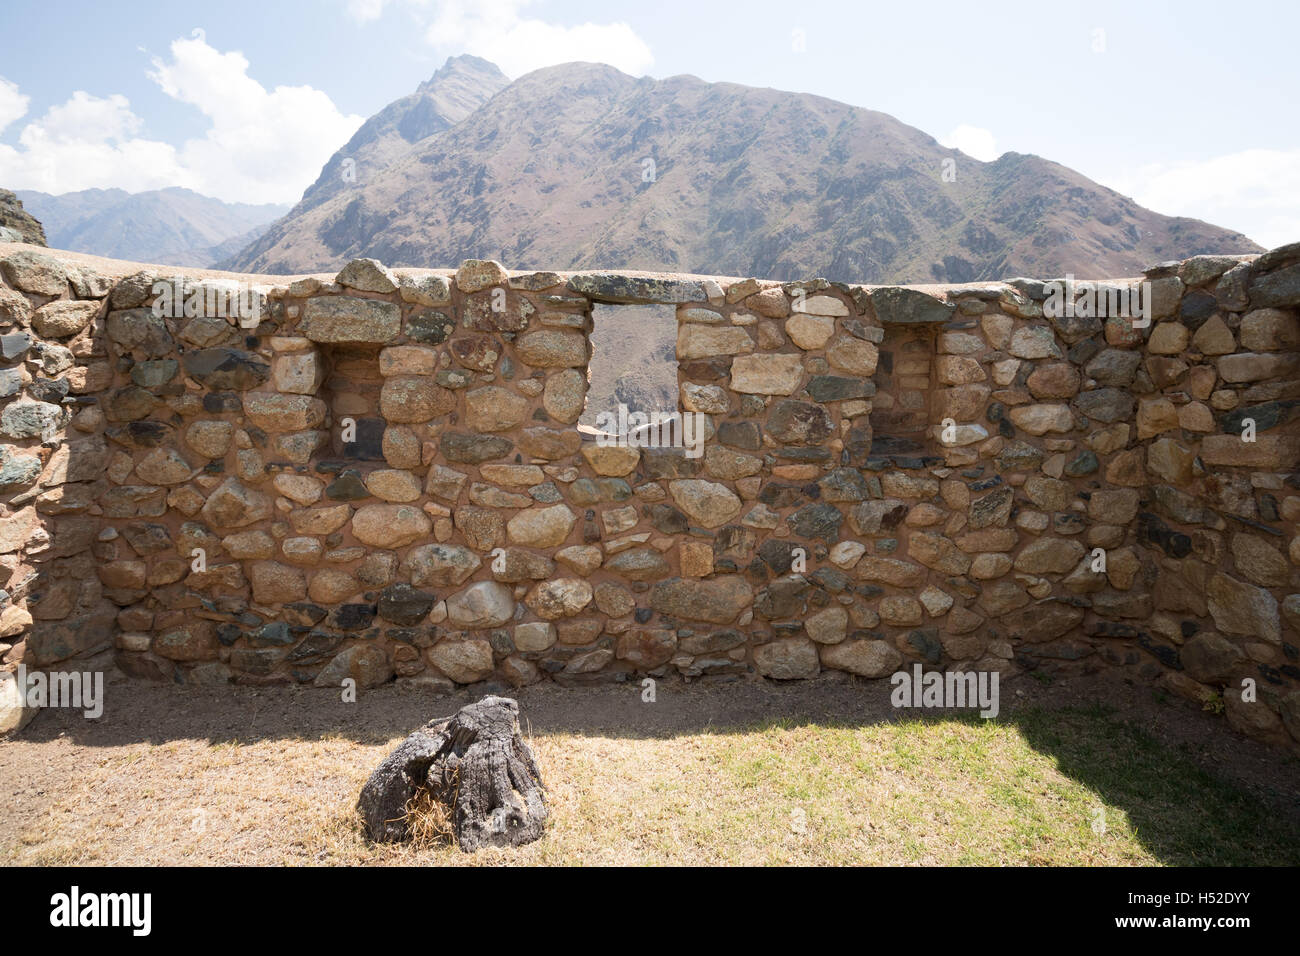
[{"x": 380, "y": 476}]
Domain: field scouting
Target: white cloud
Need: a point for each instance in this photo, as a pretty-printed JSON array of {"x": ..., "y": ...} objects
[
  {"x": 1255, "y": 191},
  {"x": 975, "y": 142},
  {"x": 261, "y": 146},
  {"x": 86, "y": 143},
  {"x": 496, "y": 30},
  {"x": 13, "y": 105},
  {"x": 85, "y": 118},
  {"x": 363, "y": 11}
]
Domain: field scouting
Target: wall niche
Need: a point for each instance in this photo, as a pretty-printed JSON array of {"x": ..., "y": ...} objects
[
  {"x": 902, "y": 412},
  {"x": 352, "y": 390}
]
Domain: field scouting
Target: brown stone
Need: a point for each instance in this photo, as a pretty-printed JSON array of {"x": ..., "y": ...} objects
[
  {"x": 1214, "y": 337},
  {"x": 1049, "y": 556},
  {"x": 938, "y": 552},
  {"x": 1001, "y": 597},
  {"x": 900, "y": 610},
  {"x": 323, "y": 520},
  {"x": 1265, "y": 452},
  {"x": 959, "y": 370},
  {"x": 62, "y": 318},
  {"x": 1260, "y": 562},
  {"x": 330, "y": 586},
  {"x": 413, "y": 399},
  {"x": 718, "y": 600},
  {"x": 809, "y": 332},
  {"x": 1128, "y": 469},
  {"x": 541, "y": 527},
  {"x": 1245, "y": 367},
  {"x": 211, "y": 439},
  {"x": 561, "y": 597},
  {"x": 646, "y": 648},
  {"x": 767, "y": 373},
  {"x": 391, "y": 484},
  {"x": 483, "y": 528},
  {"x": 1041, "y": 419},
  {"x": 1270, "y": 330},
  {"x": 1054, "y": 380},
  {"x": 1155, "y": 415},
  {"x": 275, "y": 583},
  {"x": 554, "y": 348},
  {"x": 465, "y": 662},
  {"x": 283, "y": 413},
  {"x": 611, "y": 461},
  {"x": 706, "y": 503},
  {"x": 1170, "y": 461},
  {"x": 163, "y": 466},
  {"x": 1239, "y": 608},
  {"x": 1168, "y": 338},
  {"x": 390, "y": 526},
  {"x": 1210, "y": 658},
  {"x": 791, "y": 658},
  {"x": 565, "y": 395},
  {"x": 231, "y": 505},
  {"x": 865, "y": 658},
  {"x": 852, "y": 355},
  {"x": 494, "y": 409},
  {"x": 900, "y": 574}
]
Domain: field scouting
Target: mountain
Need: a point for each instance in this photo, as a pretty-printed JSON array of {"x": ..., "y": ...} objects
[
  {"x": 457, "y": 89},
  {"x": 16, "y": 223},
  {"x": 166, "y": 226},
  {"x": 581, "y": 166}
]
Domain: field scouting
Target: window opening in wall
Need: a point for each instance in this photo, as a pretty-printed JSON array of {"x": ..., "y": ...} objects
[{"x": 633, "y": 366}]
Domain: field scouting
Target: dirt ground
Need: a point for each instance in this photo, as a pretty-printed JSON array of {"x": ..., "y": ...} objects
[{"x": 165, "y": 767}]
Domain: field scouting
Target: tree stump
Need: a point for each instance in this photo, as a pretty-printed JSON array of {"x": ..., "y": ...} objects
[{"x": 474, "y": 765}]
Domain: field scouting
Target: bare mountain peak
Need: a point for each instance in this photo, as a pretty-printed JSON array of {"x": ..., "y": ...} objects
[
  {"x": 464, "y": 65},
  {"x": 458, "y": 88},
  {"x": 579, "y": 165},
  {"x": 461, "y": 85}
]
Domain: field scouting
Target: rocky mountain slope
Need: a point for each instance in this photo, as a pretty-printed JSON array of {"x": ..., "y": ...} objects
[
  {"x": 580, "y": 166},
  {"x": 457, "y": 89},
  {"x": 16, "y": 223}
]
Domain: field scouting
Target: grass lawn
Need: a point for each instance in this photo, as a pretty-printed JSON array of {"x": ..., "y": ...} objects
[{"x": 1078, "y": 785}]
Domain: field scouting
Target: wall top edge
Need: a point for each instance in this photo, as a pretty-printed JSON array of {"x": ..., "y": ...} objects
[{"x": 628, "y": 286}]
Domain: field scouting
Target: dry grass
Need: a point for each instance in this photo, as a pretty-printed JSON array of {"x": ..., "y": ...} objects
[
  {"x": 430, "y": 821},
  {"x": 940, "y": 791}
]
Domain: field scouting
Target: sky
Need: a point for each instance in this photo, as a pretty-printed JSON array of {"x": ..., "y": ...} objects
[{"x": 1189, "y": 108}]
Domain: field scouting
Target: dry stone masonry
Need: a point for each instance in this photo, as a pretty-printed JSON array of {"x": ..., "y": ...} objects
[{"x": 381, "y": 477}]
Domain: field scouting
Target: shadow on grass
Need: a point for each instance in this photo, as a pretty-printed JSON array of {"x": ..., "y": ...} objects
[
  {"x": 1178, "y": 804},
  {"x": 1183, "y": 814}
]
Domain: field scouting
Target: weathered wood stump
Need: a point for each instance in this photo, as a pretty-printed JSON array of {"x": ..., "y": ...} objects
[{"x": 474, "y": 765}]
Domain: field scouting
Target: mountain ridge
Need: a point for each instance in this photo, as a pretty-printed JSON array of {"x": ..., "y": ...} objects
[
  {"x": 170, "y": 226},
  {"x": 580, "y": 166},
  {"x": 460, "y": 86}
]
